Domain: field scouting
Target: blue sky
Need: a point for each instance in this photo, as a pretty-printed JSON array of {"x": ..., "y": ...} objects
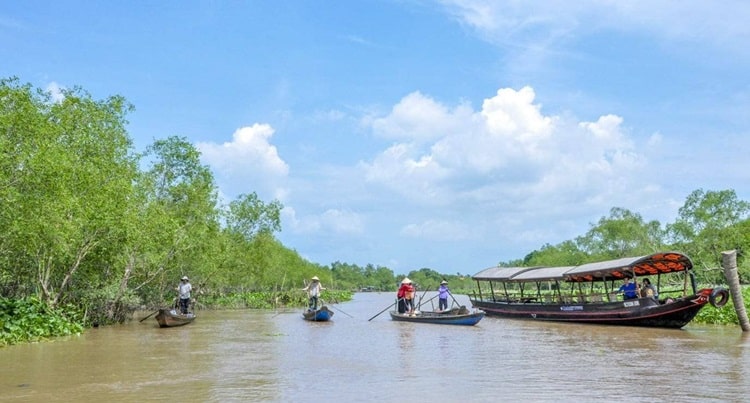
[{"x": 409, "y": 134}]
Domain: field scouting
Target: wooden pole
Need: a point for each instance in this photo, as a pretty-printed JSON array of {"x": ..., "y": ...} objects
[
  {"x": 729, "y": 264},
  {"x": 386, "y": 308},
  {"x": 152, "y": 314}
]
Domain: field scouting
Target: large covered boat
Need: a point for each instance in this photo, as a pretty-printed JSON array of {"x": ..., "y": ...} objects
[{"x": 589, "y": 293}]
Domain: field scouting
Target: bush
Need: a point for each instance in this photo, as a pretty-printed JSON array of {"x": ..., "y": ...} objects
[
  {"x": 29, "y": 319},
  {"x": 725, "y": 315}
]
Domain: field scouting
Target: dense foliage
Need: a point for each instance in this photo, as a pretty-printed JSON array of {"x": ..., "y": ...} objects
[
  {"x": 93, "y": 227},
  {"x": 30, "y": 319},
  {"x": 724, "y": 315},
  {"x": 710, "y": 222}
]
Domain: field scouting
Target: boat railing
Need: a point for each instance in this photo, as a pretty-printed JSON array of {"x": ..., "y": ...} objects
[{"x": 565, "y": 297}]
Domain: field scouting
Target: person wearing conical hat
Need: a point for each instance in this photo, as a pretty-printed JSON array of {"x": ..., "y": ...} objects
[
  {"x": 405, "y": 296},
  {"x": 184, "y": 290},
  {"x": 313, "y": 292},
  {"x": 443, "y": 293}
]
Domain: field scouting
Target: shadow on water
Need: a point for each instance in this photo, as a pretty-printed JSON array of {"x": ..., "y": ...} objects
[{"x": 227, "y": 356}]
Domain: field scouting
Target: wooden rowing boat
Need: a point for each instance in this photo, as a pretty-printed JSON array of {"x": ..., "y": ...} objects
[
  {"x": 171, "y": 318},
  {"x": 588, "y": 293},
  {"x": 456, "y": 316},
  {"x": 322, "y": 314}
]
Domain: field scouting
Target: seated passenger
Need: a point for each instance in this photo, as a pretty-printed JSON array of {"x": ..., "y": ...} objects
[
  {"x": 648, "y": 290},
  {"x": 628, "y": 289}
]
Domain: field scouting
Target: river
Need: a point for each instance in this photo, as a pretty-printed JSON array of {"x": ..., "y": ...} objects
[{"x": 268, "y": 356}]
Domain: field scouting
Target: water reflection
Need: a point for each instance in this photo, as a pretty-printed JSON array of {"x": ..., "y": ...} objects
[{"x": 228, "y": 356}]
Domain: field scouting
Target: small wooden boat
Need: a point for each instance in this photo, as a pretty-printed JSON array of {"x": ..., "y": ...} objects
[
  {"x": 456, "y": 316},
  {"x": 171, "y": 318},
  {"x": 322, "y": 314}
]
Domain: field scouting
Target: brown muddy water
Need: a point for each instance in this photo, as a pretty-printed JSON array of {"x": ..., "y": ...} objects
[{"x": 268, "y": 356}]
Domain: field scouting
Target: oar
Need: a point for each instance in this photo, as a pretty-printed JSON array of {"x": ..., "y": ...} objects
[
  {"x": 421, "y": 303},
  {"x": 334, "y": 307},
  {"x": 454, "y": 299},
  {"x": 152, "y": 314},
  {"x": 420, "y": 298},
  {"x": 388, "y": 307}
]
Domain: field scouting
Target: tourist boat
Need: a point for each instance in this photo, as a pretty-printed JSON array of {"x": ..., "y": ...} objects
[
  {"x": 457, "y": 316},
  {"x": 589, "y": 293},
  {"x": 322, "y": 314},
  {"x": 171, "y": 318}
]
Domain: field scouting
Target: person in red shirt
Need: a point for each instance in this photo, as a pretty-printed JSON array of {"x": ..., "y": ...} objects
[{"x": 405, "y": 296}]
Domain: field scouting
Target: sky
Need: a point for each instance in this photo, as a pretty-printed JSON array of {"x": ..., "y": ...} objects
[{"x": 450, "y": 135}]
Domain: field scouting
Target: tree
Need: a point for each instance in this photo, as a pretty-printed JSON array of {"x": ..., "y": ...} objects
[
  {"x": 708, "y": 223},
  {"x": 66, "y": 174},
  {"x": 566, "y": 253},
  {"x": 180, "y": 222},
  {"x": 622, "y": 234},
  {"x": 248, "y": 216}
]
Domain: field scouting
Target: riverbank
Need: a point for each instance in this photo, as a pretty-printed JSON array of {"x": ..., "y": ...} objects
[{"x": 31, "y": 320}]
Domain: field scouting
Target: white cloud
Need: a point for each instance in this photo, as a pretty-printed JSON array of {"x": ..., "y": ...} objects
[
  {"x": 330, "y": 221},
  {"x": 249, "y": 162},
  {"x": 439, "y": 230},
  {"x": 542, "y": 24},
  {"x": 509, "y": 159},
  {"x": 418, "y": 118}
]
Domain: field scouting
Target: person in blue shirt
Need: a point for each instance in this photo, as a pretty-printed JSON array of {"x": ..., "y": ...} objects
[
  {"x": 443, "y": 292},
  {"x": 628, "y": 289}
]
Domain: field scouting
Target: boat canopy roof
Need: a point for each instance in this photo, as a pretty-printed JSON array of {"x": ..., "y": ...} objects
[
  {"x": 649, "y": 265},
  {"x": 657, "y": 263},
  {"x": 543, "y": 274},
  {"x": 501, "y": 273}
]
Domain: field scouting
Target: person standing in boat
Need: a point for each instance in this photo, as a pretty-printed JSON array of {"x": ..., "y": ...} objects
[
  {"x": 405, "y": 296},
  {"x": 313, "y": 292},
  {"x": 443, "y": 293},
  {"x": 628, "y": 289},
  {"x": 648, "y": 290},
  {"x": 184, "y": 290}
]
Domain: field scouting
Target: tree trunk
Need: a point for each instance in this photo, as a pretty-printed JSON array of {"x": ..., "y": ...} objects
[{"x": 729, "y": 263}]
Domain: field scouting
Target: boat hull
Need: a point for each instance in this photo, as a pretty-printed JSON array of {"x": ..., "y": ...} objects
[
  {"x": 637, "y": 312},
  {"x": 170, "y": 318},
  {"x": 439, "y": 318},
  {"x": 321, "y": 315}
]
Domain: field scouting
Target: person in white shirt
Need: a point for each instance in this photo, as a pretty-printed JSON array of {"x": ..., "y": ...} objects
[
  {"x": 313, "y": 292},
  {"x": 184, "y": 289}
]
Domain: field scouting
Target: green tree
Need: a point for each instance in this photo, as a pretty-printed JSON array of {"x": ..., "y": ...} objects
[
  {"x": 248, "y": 216},
  {"x": 180, "y": 227},
  {"x": 566, "y": 253},
  {"x": 622, "y": 234},
  {"x": 708, "y": 223},
  {"x": 67, "y": 172}
]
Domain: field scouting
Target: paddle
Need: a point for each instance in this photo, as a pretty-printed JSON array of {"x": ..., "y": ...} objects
[
  {"x": 152, "y": 314},
  {"x": 454, "y": 298},
  {"x": 420, "y": 298},
  {"x": 421, "y": 303},
  {"x": 334, "y": 307},
  {"x": 386, "y": 308}
]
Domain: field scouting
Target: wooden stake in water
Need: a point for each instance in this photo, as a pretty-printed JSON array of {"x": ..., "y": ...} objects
[{"x": 729, "y": 263}]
